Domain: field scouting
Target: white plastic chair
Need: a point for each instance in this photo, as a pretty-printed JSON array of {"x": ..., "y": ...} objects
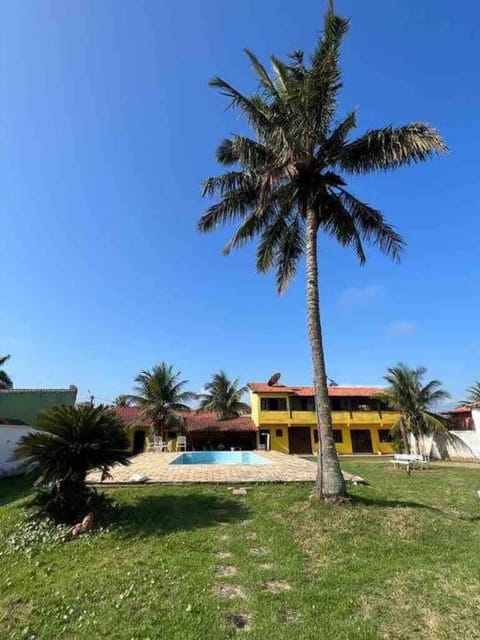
[
  {"x": 181, "y": 443},
  {"x": 157, "y": 443}
]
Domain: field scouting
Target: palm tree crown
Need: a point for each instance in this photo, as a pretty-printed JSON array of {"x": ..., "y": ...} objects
[
  {"x": 287, "y": 182},
  {"x": 473, "y": 392},
  {"x": 415, "y": 400},
  {"x": 298, "y": 160},
  {"x": 223, "y": 396},
  {"x": 160, "y": 396},
  {"x": 123, "y": 400},
  {"x": 5, "y": 380}
]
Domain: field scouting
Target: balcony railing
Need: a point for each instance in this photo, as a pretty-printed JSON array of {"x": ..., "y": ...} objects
[{"x": 338, "y": 417}]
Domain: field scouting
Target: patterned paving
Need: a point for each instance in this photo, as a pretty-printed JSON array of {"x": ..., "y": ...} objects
[{"x": 283, "y": 468}]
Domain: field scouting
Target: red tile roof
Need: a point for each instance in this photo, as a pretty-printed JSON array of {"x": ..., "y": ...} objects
[
  {"x": 195, "y": 422},
  {"x": 465, "y": 408},
  {"x": 129, "y": 414},
  {"x": 263, "y": 387},
  {"x": 207, "y": 421}
]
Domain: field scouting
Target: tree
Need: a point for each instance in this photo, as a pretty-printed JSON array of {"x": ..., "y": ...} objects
[
  {"x": 473, "y": 397},
  {"x": 415, "y": 400},
  {"x": 67, "y": 443},
  {"x": 160, "y": 396},
  {"x": 5, "y": 380},
  {"x": 223, "y": 396},
  {"x": 123, "y": 400},
  {"x": 288, "y": 182}
]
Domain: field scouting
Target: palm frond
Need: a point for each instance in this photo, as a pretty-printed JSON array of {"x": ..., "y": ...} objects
[
  {"x": 372, "y": 227},
  {"x": 265, "y": 81},
  {"x": 290, "y": 248},
  {"x": 255, "y": 110},
  {"x": 233, "y": 205},
  {"x": 391, "y": 147}
]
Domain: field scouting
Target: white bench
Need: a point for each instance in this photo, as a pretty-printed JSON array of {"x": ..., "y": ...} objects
[{"x": 410, "y": 461}]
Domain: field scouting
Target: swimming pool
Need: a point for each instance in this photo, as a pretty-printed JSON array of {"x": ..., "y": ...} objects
[{"x": 220, "y": 457}]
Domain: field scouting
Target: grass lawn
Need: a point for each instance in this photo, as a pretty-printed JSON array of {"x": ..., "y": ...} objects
[{"x": 401, "y": 561}]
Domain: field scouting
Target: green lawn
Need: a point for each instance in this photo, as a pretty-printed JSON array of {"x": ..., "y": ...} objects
[{"x": 401, "y": 561}]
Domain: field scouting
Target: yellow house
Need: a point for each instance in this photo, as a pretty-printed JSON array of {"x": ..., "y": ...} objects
[{"x": 286, "y": 419}]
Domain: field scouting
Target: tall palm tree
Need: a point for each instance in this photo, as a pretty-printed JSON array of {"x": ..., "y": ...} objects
[
  {"x": 160, "y": 396},
  {"x": 473, "y": 392},
  {"x": 415, "y": 400},
  {"x": 223, "y": 396},
  {"x": 288, "y": 182},
  {"x": 5, "y": 380}
]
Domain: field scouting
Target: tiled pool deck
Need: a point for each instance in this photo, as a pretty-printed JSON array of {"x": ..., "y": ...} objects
[{"x": 283, "y": 468}]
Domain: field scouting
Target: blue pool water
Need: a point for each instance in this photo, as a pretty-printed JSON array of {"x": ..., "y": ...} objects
[{"x": 220, "y": 457}]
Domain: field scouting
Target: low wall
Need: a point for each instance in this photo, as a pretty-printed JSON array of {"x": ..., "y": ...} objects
[
  {"x": 450, "y": 445},
  {"x": 9, "y": 436}
]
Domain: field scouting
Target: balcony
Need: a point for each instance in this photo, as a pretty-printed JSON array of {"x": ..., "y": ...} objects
[
  {"x": 274, "y": 417},
  {"x": 370, "y": 418}
]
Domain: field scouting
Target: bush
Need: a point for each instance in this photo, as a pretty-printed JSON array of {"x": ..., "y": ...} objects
[{"x": 67, "y": 444}]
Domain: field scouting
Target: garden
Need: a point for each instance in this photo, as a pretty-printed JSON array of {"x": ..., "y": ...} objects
[{"x": 399, "y": 560}]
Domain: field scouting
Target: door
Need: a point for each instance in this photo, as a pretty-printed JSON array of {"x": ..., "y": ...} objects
[
  {"x": 299, "y": 440},
  {"x": 138, "y": 442},
  {"x": 361, "y": 441}
]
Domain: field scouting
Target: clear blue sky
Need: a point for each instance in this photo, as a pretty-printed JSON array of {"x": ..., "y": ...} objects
[{"x": 108, "y": 127}]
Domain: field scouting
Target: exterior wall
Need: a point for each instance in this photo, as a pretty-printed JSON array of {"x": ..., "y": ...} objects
[
  {"x": 462, "y": 445},
  {"x": 346, "y": 421},
  {"x": 27, "y": 404},
  {"x": 476, "y": 419},
  {"x": 9, "y": 436}
]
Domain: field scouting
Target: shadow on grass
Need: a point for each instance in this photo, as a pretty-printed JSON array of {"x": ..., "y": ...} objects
[
  {"x": 382, "y": 502},
  {"x": 151, "y": 515},
  {"x": 15, "y": 488}
]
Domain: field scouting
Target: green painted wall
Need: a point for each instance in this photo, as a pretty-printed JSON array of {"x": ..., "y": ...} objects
[{"x": 27, "y": 404}]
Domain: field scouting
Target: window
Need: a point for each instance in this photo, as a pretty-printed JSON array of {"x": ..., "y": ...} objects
[
  {"x": 384, "y": 435},
  {"x": 315, "y": 436},
  {"x": 337, "y": 435},
  {"x": 273, "y": 404},
  {"x": 305, "y": 403},
  {"x": 279, "y": 433},
  {"x": 340, "y": 404}
]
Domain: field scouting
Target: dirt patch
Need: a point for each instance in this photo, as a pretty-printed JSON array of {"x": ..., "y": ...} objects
[
  {"x": 246, "y": 523},
  {"x": 258, "y": 551},
  {"x": 288, "y": 615},
  {"x": 277, "y": 586},
  {"x": 224, "y": 571},
  {"x": 224, "y": 537},
  {"x": 239, "y": 620},
  {"x": 266, "y": 566},
  {"x": 222, "y": 555},
  {"x": 228, "y": 591},
  {"x": 251, "y": 535}
]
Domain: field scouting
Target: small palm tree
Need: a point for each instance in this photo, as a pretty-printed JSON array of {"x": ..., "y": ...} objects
[
  {"x": 223, "y": 396},
  {"x": 415, "y": 400},
  {"x": 160, "y": 396},
  {"x": 288, "y": 182},
  {"x": 67, "y": 443},
  {"x": 123, "y": 400},
  {"x": 473, "y": 397},
  {"x": 5, "y": 380}
]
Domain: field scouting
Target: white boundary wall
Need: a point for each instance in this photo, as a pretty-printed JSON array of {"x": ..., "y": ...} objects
[
  {"x": 453, "y": 444},
  {"x": 10, "y": 434}
]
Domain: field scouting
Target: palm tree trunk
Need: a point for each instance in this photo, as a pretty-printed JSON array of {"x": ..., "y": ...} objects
[
  {"x": 404, "y": 434},
  {"x": 330, "y": 483}
]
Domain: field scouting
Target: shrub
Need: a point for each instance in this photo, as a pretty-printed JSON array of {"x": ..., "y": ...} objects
[{"x": 67, "y": 444}]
